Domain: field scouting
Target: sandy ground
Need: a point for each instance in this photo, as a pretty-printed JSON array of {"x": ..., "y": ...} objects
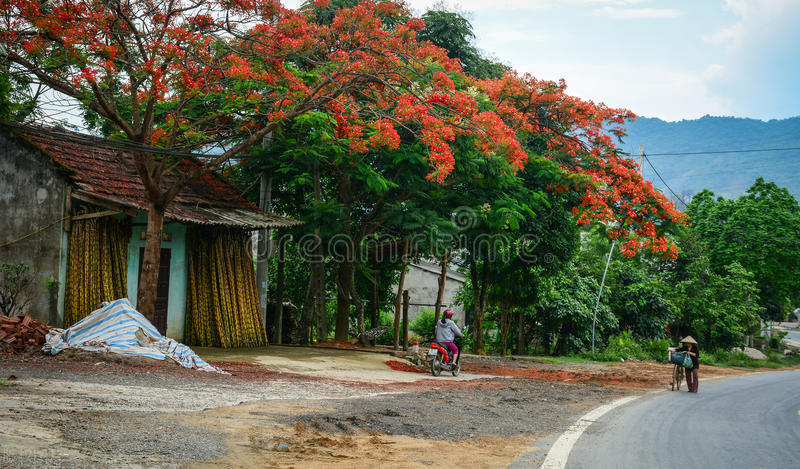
[
  {"x": 324, "y": 362},
  {"x": 294, "y": 407}
]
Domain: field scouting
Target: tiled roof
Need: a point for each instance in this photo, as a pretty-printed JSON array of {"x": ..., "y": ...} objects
[{"x": 103, "y": 171}]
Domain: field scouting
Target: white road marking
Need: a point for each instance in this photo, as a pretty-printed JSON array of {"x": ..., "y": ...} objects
[{"x": 559, "y": 452}]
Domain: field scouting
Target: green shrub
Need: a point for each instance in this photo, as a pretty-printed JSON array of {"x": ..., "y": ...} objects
[
  {"x": 627, "y": 347},
  {"x": 656, "y": 349},
  {"x": 422, "y": 325},
  {"x": 387, "y": 338},
  {"x": 624, "y": 345}
]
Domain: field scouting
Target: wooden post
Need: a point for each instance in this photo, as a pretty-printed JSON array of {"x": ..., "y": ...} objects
[
  {"x": 406, "y": 300},
  {"x": 442, "y": 282},
  {"x": 397, "y": 299}
]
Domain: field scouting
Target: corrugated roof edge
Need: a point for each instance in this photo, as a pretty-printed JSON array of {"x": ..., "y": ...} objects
[{"x": 251, "y": 219}]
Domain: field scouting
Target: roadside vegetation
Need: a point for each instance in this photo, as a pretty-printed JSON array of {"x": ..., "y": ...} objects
[{"x": 395, "y": 139}]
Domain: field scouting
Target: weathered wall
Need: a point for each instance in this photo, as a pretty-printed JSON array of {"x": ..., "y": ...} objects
[
  {"x": 422, "y": 283},
  {"x": 178, "y": 272},
  {"x": 32, "y": 192}
]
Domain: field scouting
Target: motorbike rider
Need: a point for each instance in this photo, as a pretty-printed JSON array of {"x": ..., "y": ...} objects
[{"x": 446, "y": 333}]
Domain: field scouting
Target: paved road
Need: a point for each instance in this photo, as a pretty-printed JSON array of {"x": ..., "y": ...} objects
[
  {"x": 747, "y": 422},
  {"x": 793, "y": 333}
]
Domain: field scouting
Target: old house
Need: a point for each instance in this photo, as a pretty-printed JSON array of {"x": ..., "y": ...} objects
[{"x": 73, "y": 209}]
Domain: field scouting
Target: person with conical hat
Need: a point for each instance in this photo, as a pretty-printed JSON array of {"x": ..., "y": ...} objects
[{"x": 690, "y": 347}]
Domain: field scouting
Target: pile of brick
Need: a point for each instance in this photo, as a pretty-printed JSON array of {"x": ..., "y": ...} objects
[{"x": 21, "y": 331}]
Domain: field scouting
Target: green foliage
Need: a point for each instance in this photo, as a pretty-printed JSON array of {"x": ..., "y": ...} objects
[
  {"x": 627, "y": 347},
  {"x": 639, "y": 301},
  {"x": 15, "y": 285},
  {"x": 453, "y": 32},
  {"x": 17, "y": 101},
  {"x": 386, "y": 318},
  {"x": 759, "y": 232},
  {"x": 566, "y": 310},
  {"x": 423, "y": 324}
]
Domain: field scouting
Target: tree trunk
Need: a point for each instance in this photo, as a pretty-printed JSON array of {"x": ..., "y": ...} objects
[
  {"x": 520, "y": 333},
  {"x": 356, "y": 299},
  {"x": 560, "y": 340},
  {"x": 442, "y": 283},
  {"x": 479, "y": 291},
  {"x": 345, "y": 271},
  {"x": 346, "y": 266},
  {"x": 373, "y": 323},
  {"x": 318, "y": 270},
  {"x": 319, "y": 297},
  {"x": 505, "y": 325},
  {"x": 279, "y": 293},
  {"x": 398, "y": 298},
  {"x": 148, "y": 279}
]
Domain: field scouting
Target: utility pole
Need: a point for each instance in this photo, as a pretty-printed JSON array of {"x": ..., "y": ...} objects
[
  {"x": 610, "y": 252},
  {"x": 264, "y": 246},
  {"x": 641, "y": 159}
]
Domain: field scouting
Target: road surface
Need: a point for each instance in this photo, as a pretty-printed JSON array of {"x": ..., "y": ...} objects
[
  {"x": 793, "y": 333},
  {"x": 747, "y": 422}
]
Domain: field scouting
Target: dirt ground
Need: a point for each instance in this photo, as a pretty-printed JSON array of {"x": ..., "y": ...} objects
[{"x": 294, "y": 407}]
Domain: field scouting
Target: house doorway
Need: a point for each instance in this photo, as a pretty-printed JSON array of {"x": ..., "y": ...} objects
[{"x": 162, "y": 289}]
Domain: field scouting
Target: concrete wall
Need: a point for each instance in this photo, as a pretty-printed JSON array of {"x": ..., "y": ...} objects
[
  {"x": 32, "y": 193},
  {"x": 178, "y": 272},
  {"x": 422, "y": 283}
]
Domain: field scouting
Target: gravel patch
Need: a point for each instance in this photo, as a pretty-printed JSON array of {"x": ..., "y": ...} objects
[
  {"x": 143, "y": 434},
  {"x": 513, "y": 408}
]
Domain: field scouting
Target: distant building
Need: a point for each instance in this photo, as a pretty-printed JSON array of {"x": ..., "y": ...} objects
[{"x": 422, "y": 283}]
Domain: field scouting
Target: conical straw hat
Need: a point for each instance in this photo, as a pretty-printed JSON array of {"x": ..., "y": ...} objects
[{"x": 688, "y": 340}]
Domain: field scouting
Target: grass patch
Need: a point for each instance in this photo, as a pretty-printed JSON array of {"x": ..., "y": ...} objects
[
  {"x": 563, "y": 359},
  {"x": 5, "y": 384},
  {"x": 736, "y": 359}
]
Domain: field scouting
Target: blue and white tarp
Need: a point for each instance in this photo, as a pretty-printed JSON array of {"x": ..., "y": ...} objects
[{"x": 118, "y": 328}]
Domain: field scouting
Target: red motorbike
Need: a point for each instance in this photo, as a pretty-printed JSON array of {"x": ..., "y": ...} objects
[{"x": 442, "y": 359}]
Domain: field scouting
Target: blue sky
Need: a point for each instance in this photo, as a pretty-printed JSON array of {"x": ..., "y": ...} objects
[{"x": 677, "y": 59}]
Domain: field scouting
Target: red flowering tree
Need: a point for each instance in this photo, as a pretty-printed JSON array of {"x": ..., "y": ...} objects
[
  {"x": 579, "y": 135},
  {"x": 199, "y": 74}
]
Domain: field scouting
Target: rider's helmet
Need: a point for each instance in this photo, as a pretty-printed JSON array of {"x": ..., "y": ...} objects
[{"x": 448, "y": 314}]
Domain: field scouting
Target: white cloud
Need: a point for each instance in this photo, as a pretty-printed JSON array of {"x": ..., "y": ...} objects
[
  {"x": 510, "y": 5},
  {"x": 512, "y": 36},
  {"x": 713, "y": 71},
  {"x": 757, "y": 20},
  {"x": 652, "y": 90},
  {"x": 636, "y": 13}
]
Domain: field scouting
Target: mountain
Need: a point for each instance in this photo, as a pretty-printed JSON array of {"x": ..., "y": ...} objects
[{"x": 729, "y": 174}]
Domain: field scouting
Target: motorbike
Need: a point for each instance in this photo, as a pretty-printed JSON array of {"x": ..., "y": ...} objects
[{"x": 441, "y": 358}]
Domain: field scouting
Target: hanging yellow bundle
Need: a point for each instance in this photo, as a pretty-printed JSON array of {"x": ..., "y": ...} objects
[
  {"x": 222, "y": 308},
  {"x": 97, "y": 265}
]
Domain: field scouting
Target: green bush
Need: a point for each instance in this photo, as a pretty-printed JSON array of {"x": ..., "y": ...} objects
[
  {"x": 656, "y": 349},
  {"x": 386, "y": 318},
  {"x": 422, "y": 325},
  {"x": 627, "y": 347}
]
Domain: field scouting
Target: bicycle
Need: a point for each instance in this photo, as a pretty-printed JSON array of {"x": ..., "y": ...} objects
[{"x": 676, "y": 358}]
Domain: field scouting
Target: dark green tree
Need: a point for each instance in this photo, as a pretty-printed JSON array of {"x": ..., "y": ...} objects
[
  {"x": 453, "y": 32},
  {"x": 761, "y": 231}
]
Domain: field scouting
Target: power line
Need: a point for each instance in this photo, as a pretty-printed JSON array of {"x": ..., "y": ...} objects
[
  {"x": 662, "y": 179},
  {"x": 722, "y": 152},
  {"x": 740, "y": 231}
]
